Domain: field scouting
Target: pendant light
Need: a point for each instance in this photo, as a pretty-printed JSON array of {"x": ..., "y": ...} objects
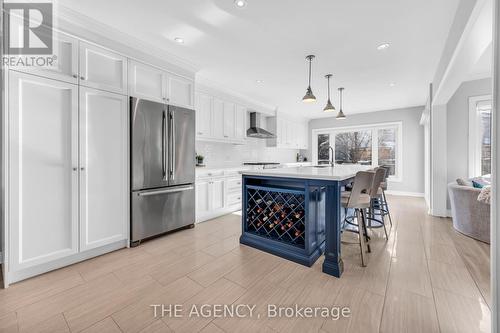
[
  {"x": 329, "y": 106},
  {"x": 341, "y": 114},
  {"x": 309, "y": 96}
]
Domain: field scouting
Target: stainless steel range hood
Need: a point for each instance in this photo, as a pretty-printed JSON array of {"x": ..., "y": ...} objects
[{"x": 255, "y": 131}]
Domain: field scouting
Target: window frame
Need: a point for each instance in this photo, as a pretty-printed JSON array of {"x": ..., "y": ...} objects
[
  {"x": 475, "y": 145},
  {"x": 374, "y": 128}
]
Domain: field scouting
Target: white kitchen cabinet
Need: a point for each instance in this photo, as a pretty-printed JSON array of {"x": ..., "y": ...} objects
[
  {"x": 229, "y": 120},
  {"x": 210, "y": 197},
  {"x": 217, "y": 194},
  {"x": 218, "y": 119},
  {"x": 180, "y": 91},
  {"x": 204, "y": 109},
  {"x": 290, "y": 133},
  {"x": 202, "y": 197},
  {"x": 102, "y": 69},
  {"x": 65, "y": 67},
  {"x": 241, "y": 122},
  {"x": 146, "y": 82},
  {"x": 103, "y": 168},
  {"x": 43, "y": 164}
]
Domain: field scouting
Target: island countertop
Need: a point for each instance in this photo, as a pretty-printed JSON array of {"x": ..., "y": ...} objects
[{"x": 338, "y": 172}]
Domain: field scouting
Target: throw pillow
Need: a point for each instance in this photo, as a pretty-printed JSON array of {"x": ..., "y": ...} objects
[
  {"x": 463, "y": 182},
  {"x": 485, "y": 195},
  {"x": 477, "y": 184}
]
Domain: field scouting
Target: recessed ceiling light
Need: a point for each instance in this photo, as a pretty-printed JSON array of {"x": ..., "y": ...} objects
[
  {"x": 259, "y": 81},
  {"x": 240, "y": 3},
  {"x": 392, "y": 84},
  {"x": 384, "y": 46},
  {"x": 179, "y": 40}
]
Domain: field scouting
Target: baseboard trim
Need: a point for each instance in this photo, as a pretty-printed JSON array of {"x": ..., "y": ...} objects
[
  {"x": 15, "y": 276},
  {"x": 405, "y": 194}
]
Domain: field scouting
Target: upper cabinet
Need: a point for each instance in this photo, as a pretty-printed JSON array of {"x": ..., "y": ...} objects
[
  {"x": 241, "y": 122},
  {"x": 229, "y": 120},
  {"x": 65, "y": 65},
  {"x": 102, "y": 69},
  {"x": 290, "y": 133},
  {"x": 146, "y": 82},
  {"x": 204, "y": 107},
  {"x": 219, "y": 120},
  {"x": 157, "y": 85},
  {"x": 180, "y": 91}
]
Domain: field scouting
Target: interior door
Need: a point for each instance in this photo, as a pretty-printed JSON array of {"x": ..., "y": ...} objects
[
  {"x": 102, "y": 69},
  {"x": 65, "y": 66},
  {"x": 149, "y": 137},
  {"x": 103, "y": 168},
  {"x": 43, "y": 191},
  {"x": 182, "y": 145}
]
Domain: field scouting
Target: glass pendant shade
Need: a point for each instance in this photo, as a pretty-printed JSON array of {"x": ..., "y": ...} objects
[
  {"x": 309, "y": 96},
  {"x": 329, "y": 106}
]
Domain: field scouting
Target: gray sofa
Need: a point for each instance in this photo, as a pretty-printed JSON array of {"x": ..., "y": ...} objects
[{"x": 470, "y": 217}]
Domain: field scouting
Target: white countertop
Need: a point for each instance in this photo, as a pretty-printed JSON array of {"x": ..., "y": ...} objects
[{"x": 339, "y": 172}]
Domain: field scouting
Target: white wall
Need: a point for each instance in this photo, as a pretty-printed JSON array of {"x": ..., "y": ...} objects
[
  {"x": 229, "y": 155},
  {"x": 458, "y": 127},
  {"x": 413, "y": 141}
]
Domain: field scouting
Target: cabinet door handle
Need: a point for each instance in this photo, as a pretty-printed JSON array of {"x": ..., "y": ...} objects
[
  {"x": 82, "y": 169},
  {"x": 82, "y": 78},
  {"x": 225, "y": 136},
  {"x": 75, "y": 76},
  {"x": 74, "y": 169},
  {"x": 200, "y": 133}
]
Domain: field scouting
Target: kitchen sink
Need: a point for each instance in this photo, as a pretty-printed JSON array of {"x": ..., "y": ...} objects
[{"x": 321, "y": 166}]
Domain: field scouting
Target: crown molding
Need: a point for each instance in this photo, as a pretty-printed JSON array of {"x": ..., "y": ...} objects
[
  {"x": 202, "y": 83},
  {"x": 71, "y": 17}
]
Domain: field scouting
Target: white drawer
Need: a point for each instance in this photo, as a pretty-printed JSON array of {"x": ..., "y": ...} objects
[
  {"x": 234, "y": 199},
  {"x": 234, "y": 184},
  {"x": 209, "y": 174}
]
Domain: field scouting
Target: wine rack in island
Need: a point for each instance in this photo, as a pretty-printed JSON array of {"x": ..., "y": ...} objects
[
  {"x": 277, "y": 214},
  {"x": 284, "y": 218}
]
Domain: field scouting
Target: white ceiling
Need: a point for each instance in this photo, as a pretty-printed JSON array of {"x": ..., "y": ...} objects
[{"x": 269, "y": 39}]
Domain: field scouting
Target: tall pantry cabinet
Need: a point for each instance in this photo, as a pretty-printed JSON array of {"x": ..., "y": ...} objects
[{"x": 67, "y": 162}]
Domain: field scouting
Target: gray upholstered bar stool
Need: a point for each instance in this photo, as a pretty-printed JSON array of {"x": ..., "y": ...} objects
[
  {"x": 359, "y": 200},
  {"x": 384, "y": 206},
  {"x": 375, "y": 217}
]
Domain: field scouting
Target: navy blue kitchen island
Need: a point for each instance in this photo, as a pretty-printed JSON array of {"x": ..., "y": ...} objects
[{"x": 295, "y": 213}]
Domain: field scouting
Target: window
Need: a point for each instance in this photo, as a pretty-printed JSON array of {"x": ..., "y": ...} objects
[
  {"x": 323, "y": 149},
  {"x": 353, "y": 147},
  {"x": 479, "y": 136},
  {"x": 378, "y": 144}
]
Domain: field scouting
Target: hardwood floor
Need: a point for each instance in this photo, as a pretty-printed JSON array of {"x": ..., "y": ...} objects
[{"x": 425, "y": 278}]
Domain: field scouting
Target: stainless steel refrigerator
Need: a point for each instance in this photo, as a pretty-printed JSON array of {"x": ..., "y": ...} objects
[{"x": 162, "y": 168}]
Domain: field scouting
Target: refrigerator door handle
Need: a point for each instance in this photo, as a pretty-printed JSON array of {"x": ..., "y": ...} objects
[
  {"x": 170, "y": 190},
  {"x": 164, "y": 147},
  {"x": 173, "y": 150}
]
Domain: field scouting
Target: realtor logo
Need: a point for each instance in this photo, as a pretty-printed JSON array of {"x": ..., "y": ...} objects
[{"x": 28, "y": 28}]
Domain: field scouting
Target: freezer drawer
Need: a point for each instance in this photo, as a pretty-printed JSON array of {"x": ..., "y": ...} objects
[{"x": 161, "y": 210}]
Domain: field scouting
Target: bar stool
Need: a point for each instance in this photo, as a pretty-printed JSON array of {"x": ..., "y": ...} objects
[
  {"x": 359, "y": 200},
  {"x": 376, "y": 200},
  {"x": 383, "y": 200}
]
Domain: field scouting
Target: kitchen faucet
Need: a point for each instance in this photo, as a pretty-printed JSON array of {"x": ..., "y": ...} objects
[{"x": 332, "y": 162}]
